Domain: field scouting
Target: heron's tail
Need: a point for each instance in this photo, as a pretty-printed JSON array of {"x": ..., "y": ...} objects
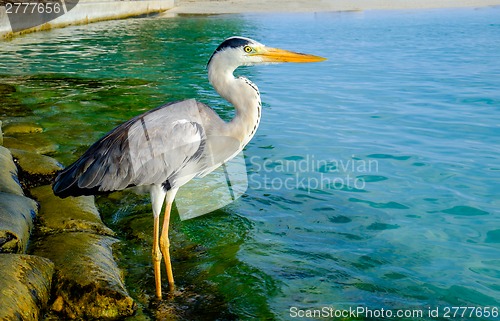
[{"x": 66, "y": 183}]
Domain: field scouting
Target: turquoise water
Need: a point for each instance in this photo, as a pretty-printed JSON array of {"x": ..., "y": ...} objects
[{"x": 373, "y": 178}]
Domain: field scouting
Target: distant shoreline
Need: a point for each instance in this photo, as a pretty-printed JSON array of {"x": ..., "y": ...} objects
[
  {"x": 259, "y": 6},
  {"x": 87, "y": 11}
]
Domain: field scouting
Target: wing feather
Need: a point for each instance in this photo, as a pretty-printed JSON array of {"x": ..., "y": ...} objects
[{"x": 161, "y": 145}]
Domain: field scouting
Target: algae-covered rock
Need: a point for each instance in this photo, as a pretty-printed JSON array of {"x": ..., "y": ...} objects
[
  {"x": 88, "y": 283},
  {"x": 36, "y": 164},
  {"x": 36, "y": 143},
  {"x": 1, "y": 134},
  {"x": 21, "y": 128},
  {"x": 16, "y": 221},
  {"x": 35, "y": 168},
  {"x": 9, "y": 183},
  {"x": 68, "y": 214},
  {"x": 25, "y": 283}
]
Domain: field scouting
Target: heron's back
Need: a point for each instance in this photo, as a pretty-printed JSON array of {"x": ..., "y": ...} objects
[{"x": 167, "y": 145}]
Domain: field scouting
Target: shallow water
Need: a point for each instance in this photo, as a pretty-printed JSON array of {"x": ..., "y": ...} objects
[{"x": 373, "y": 178}]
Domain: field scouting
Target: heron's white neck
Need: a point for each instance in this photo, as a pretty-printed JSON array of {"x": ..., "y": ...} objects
[{"x": 243, "y": 94}]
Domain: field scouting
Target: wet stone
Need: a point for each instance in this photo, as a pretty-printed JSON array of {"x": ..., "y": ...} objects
[
  {"x": 9, "y": 182},
  {"x": 25, "y": 283},
  {"x": 68, "y": 214},
  {"x": 88, "y": 283},
  {"x": 35, "y": 168},
  {"x": 16, "y": 222}
]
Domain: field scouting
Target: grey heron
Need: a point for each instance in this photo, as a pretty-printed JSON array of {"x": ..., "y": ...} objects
[{"x": 166, "y": 147}]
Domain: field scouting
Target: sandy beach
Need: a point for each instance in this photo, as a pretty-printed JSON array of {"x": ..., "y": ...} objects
[{"x": 245, "y": 6}]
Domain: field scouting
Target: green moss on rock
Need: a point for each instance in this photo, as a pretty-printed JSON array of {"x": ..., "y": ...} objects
[
  {"x": 36, "y": 143},
  {"x": 21, "y": 128},
  {"x": 36, "y": 164},
  {"x": 88, "y": 283},
  {"x": 25, "y": 283},
  {"x": 69, "y": 214}
]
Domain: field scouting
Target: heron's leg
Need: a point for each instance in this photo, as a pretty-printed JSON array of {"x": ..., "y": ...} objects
[
  {"x": 157, "y": 256},
  {"x": 157, "y": 199},
  {"x": 165, "y": 244}
]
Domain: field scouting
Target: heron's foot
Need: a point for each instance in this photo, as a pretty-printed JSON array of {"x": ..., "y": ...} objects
[{"x": 171, "y": 287}]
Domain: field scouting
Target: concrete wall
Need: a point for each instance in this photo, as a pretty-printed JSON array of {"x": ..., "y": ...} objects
[{"x": 87, "y": 11}]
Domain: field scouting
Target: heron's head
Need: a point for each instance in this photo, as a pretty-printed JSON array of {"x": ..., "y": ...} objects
[{"x": 239, "y": 51}]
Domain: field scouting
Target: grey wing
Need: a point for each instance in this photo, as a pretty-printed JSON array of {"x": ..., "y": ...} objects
[{"x": 163, "y": 146}]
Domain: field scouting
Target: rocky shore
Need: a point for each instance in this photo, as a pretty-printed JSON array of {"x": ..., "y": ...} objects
[{"x": 55, "y": 254}]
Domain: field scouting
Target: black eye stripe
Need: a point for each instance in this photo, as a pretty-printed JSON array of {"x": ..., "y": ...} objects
[{"x": 232, "y": 43}]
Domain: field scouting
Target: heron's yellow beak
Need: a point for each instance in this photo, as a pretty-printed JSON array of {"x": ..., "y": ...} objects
[{"x": 279, "y": 55}]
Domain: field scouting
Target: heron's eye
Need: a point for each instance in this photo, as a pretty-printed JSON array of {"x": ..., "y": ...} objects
[{"x": 248, "y": 49}]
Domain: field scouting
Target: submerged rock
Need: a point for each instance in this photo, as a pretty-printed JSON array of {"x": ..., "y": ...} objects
[
  {"x": 69, "y": 214},
  {"x": 12, "y": 104},
  {"x": 25, "y": 283},
  {"x": 88, "y": 283},
  {"x": 9, "y": 182},
  {"x": 16, "y": 222},
  {"x": 32, "y": 143},
  {"x": 21, "y": 128},
  {"x": 6, "y": 89}
]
